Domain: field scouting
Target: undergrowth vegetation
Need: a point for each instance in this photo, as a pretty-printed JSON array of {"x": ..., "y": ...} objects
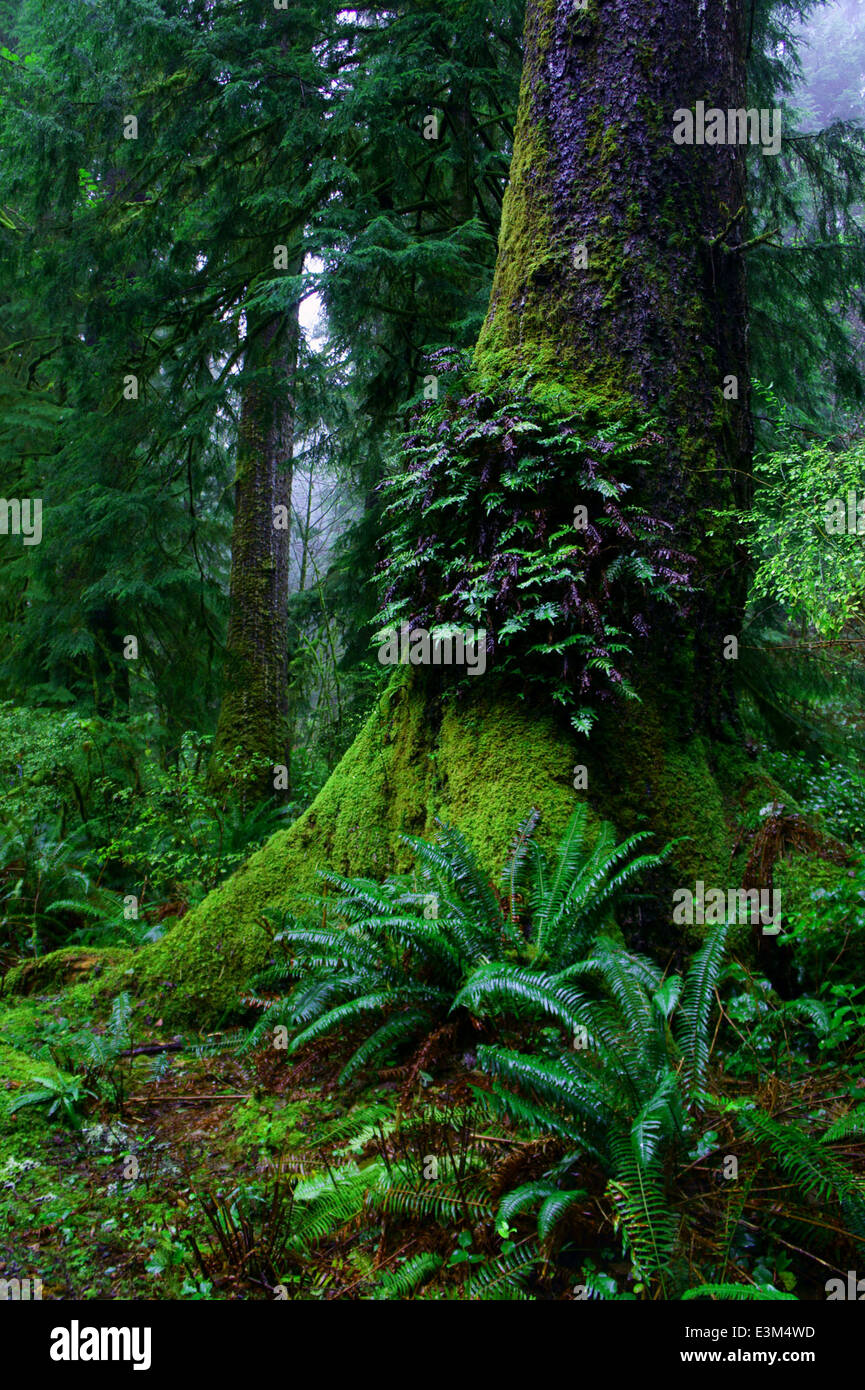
[
  {"x": 103, "y": 837},
  {"x": 422, "y": 318},
  {"x": 637, "y": 1124},
  {"x": 464, "y": 1088},
  {"x": 400, "y": 951}
]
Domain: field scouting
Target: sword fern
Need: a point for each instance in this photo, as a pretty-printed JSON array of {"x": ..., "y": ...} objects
[{"x": 390, "y": 958}]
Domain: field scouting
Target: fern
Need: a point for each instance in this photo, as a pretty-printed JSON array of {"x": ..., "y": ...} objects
[
  {"x": 851, "y": 1123},
  {"x": 750, "y": 1292},
  {"x": 502, "y": 1277},
  {"x": 416, "y": 1270},
  {"x": 622, "y": 1097},
  {"x": 120, "y": 1019},
  {"x": 553, "y": 1208},
  {"x": 813, "y": 1168},
  {"x": 444, "y": 1202},
  {"x": 378, "y": 958},
  {"x": 693, "y": 1012},
  {"x": 344, "y": 1130},
  {"x": 325, "y": 1204}
]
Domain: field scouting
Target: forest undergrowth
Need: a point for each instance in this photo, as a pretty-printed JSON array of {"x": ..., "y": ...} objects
[{"x": 446, "y": 1086}]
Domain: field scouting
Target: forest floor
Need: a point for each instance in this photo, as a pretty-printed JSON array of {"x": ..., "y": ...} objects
[
  {"x": 200, "y": 1171},
  {"x": 175, "y": 1182}
]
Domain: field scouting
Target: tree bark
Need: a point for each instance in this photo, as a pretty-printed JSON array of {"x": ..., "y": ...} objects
[
  {"x": 656, "y": 322},
  {"x": 252, "y": 733}
]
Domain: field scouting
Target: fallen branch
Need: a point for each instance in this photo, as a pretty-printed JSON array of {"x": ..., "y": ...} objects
[
  {"x": 186, "y": 1100},
  {"x": 494, "y": 1139},
  {"x": 151, "y": 1049}
]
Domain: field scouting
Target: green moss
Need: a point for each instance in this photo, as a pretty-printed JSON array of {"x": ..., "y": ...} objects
[
  {"x": 501, "y": 759},
  {"x": 20, "y": 1131},
  {"x": 69, "y": 966},
  {"x": 525, "y": 327},
  {"x": 482, "y": 763},
  {"x": 650, "y": 778},
  {"x": 22, "y": 1022},
  {"x": 797, "y": 877},
  {"x": 527, "y": 240},
  {"x": 270, "y": 1122}
]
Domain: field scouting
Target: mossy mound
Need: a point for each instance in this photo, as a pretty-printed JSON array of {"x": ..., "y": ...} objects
[
  {"x": 23, "y": 1021},
  {"x": 69, "y": 966},
  {"x": 481, "y": 762}
]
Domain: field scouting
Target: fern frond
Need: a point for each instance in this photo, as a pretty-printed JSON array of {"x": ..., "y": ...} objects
[
  {"x": 851, "y": 1123},
  {"x": 523, "y": 848},
  {"x": 502, "y": 1277},
  {"x": 416, "y": 1270},
  {"x": 554, "y": 1208},
  {"x": 809, "y": 1163},
  {"x": 397, "y": 1029},
  {"x": 750, "y": 1292},
  {"x": 525, "y": 1196},
  {"x": 649, "y": 1227},
  {"x": 692, "y": 1027},
  {"x": 343, "y": 1013},
  {"x": 438, "y": 1202}
]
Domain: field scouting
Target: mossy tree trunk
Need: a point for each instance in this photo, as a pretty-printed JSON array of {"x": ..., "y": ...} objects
[
  {"x": 252, "y": 730},
  {"x": 652, "y": 325},
  {"x": 621, "y": 276}
]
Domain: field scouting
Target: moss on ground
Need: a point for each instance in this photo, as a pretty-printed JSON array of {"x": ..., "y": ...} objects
[
  {"x": 21, "y": 1130},
  {"x": 22, "y": 1022},
  {"x": 480, "y": 762},
  {"x": 69, "y": 966},
  {"x": 272, "y": 1123}
]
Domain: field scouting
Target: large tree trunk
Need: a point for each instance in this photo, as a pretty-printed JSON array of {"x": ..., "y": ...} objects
[
  {"x": 657, "y": 322},
  {"x": 252, "y": 730},
  {"x": 653, "y": 325}
]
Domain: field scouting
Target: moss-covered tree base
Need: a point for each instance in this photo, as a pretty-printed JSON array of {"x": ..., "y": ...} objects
[{"x": 480, "y": 762}]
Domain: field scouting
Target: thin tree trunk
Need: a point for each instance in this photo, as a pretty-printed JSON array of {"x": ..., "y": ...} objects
[
  {"x": 305, "y": 554},
  {"x": 301, "y": 585},
  {"x": 252, "y": 735}
]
